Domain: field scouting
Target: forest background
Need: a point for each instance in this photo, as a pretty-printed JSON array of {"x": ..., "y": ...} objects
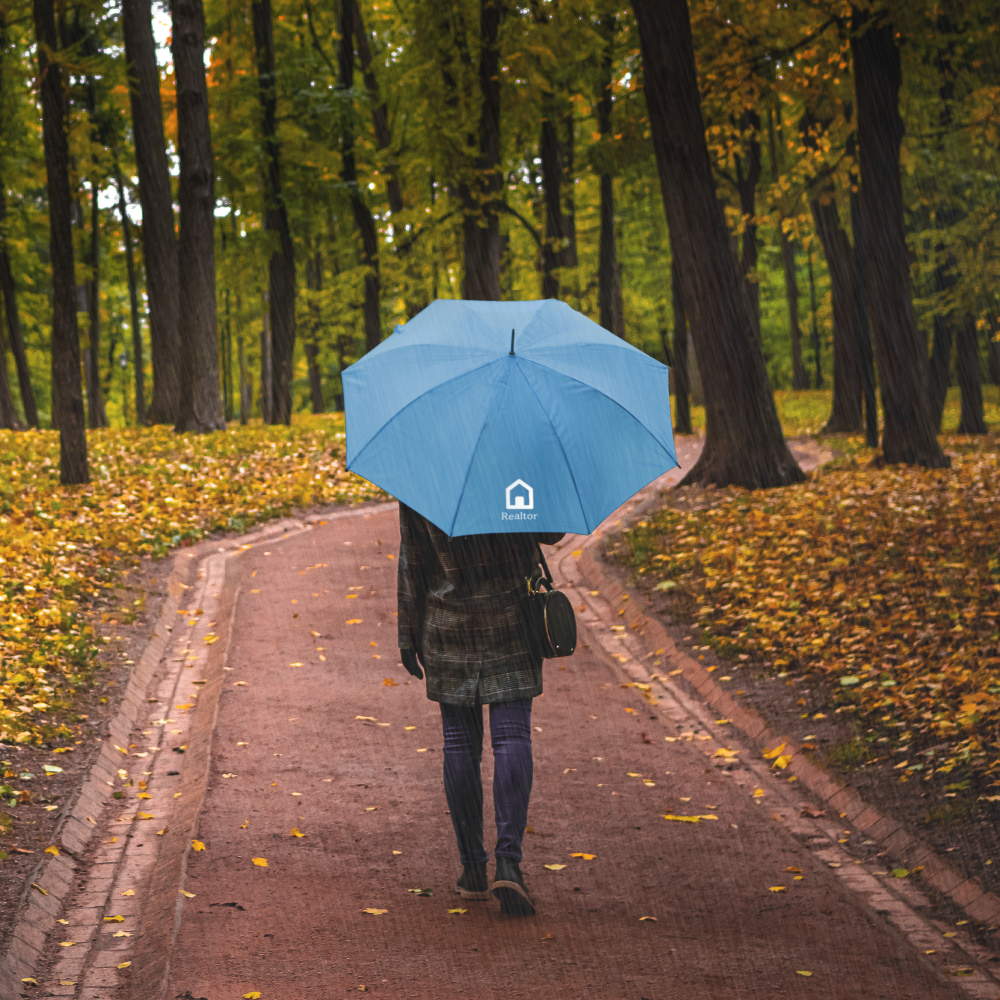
[{"x": 347, "y": 170}]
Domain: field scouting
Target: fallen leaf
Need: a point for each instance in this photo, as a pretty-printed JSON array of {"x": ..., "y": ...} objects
[
  {"x": 723, "y": 722},
  {"x": 726, "y": 754},
  {"x": 122, "y": 934},
  {"x": 52, "y": 850},
  {"x": 296, "y": 832},
  {"x": 374, "y": 912},
  {"x": 366, "y": 718},
  {"x": 28, "y": 979},
  {"x": 776, "y": 752},
  {"x": 296, "y": 664},
  {"x": 197, "y": 845},
  {"x": 260, "y": 862},
  {"x": 758, "y": 793},
  {"x": 950, "y": 934},
  {"x": 188, "y": 895},
  {"x": 160, "y": 833},
  {"x": 641, "y": 919},
  {"x": 802, "y": 972},
  {"x": 783, "y": 761},
  {"x": 389, "y": 682},
  {"x": 353, "y": 621},
  {"x": 794, "y": 871},
  {"x": 900, "y": 872},
  {"x": 124, "y": 965},
  {"x": 118, "y": 918},
  {"x": 69, "y": 944},
  {"x": 586, "y": 857},
  {"x": 555, "y": 868},
  {"x": 458, "y": 911},
  {"x": 397, "y": 852},
  {"x": 408, "y": 728},
  {"x": 777, "y": 888},
  {"x": 833, "y": 864},
  {"x": 252, "y": 995},
  {"x": 371, "y": 809},
  {"x": 812, "y": 811},
  {"x": 129, "y": 892}
]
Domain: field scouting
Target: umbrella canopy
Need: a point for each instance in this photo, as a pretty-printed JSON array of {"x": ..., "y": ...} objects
[{"x": 551, "y": 437}]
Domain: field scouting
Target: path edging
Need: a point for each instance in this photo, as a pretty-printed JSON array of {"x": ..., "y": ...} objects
[{"x": 965, "y": 892}]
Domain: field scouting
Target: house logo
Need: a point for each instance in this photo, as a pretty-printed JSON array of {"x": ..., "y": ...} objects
[{"x": 520, "y": 496}]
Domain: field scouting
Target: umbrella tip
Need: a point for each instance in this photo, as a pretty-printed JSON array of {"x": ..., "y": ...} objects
[{"x": 511, "y": 344}]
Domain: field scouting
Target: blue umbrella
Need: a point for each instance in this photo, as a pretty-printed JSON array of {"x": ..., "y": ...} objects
[{"x": 481, "y": 429}]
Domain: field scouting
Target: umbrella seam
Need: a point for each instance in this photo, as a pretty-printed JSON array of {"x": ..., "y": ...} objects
[
  {"x": 472, "y": 457},
  {"x": 368, "y": 443},
  {"x": 671, "y": 451},
  {"x": 618, "y": 403},
  {"x": 555, "y": 434}
]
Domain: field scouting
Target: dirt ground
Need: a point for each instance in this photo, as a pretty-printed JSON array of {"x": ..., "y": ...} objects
[{"x": 313, "y": 735}]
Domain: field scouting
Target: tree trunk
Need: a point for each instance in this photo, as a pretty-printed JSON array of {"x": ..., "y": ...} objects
[
  {"x": 552, "y": 172},
  {"x": 68, "y": 411},
  {"x": 266, "y": 379},
  {"x": 861, "y": 322},
  {"x": 159, "y": 239},
  {"x": 246, "y": 395},
  {"x": 133, "y": 297},
  {"x": 363, "y": 221},
  {"x": 846, "y": 416},
  {"x": 992, "y": 345},
  {"x": 200, "y": 405},
  {"x": 747, "y": 178},
  {"x": 8, "y": 291},
  {"x": 480, "y": 224},
  {"x": 281, "y": 268},
  {"x": 8, "y": 415},
  {"x": 939, "y": 371},
  {"x": 380, "y": 118},
  {"x": 609, "y": 284},
  {"x": 970, "y": 378},
  {"x": 744, "y": 444},
  {"x": 817, "y": 357},
  {"x": 900, "y": 349},
  {"x": 314, "y": 281},
  {"x": 682, "y": 399},
  {"x": 96, "y": 416},
  {"x": 800, "y": 380}
]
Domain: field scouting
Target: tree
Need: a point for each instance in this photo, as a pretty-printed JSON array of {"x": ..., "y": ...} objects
[
  {"x": 68, "y": 403},
  {"x": 200, "y": 407},
  {"x": 744, "y": 444},
  {"x": 133, "y": 299},
  {"x": 281, "y": 266},
  {"x": 159, "y": 240},
  {"x": 682, "y": 388},
  {"x": 909, "y": 435},
  {"x": 480, "y": 223},
  {"x": 609, "y": 279},
  {"x": 970, "y": 379}
]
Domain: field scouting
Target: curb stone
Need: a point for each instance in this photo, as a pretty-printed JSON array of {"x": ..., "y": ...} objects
[
  {"x": 982, "y": 907},
  {"x": 87, "y": 812}
]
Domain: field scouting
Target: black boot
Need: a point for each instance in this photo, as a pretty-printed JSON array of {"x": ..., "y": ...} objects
[
  {"x": 472, "y": 882},
  {"x": 508, "y": 887}
]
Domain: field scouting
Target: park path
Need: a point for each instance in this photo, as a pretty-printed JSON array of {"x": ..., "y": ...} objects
[{"x": 320, "y": 730}]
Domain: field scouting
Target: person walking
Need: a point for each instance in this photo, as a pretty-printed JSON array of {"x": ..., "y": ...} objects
[{"x": 461, "y": 620}]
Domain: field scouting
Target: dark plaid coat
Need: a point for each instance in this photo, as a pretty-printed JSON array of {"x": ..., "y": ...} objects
[{"x": 457, "y": 608}]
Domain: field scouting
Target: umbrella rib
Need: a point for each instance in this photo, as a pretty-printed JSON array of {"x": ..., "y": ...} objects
[
  {"x": 468, "y": 469},
  {"x": 417, "y": 399},
  {"x": 555, "y": 434},
  {"x": 587, "y": 385}
]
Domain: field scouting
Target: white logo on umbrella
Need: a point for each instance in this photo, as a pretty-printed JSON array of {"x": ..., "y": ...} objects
[{"x": 520, "y": 502}]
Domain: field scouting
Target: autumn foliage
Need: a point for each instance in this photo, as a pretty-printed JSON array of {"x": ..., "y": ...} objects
[{"x": 151, "y": 491}]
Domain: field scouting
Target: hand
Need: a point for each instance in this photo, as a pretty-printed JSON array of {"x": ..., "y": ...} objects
[{"x": 409, "y": 658}]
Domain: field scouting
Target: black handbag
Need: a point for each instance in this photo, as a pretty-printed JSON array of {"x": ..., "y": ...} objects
[{"x": 548, "y": 616}]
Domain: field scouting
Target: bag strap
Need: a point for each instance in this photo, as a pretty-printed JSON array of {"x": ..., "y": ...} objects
[{"x": 545, "y": 566}]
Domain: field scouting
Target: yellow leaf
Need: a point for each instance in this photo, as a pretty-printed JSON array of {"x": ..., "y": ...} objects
[
  {"x": 210, "y": 638},
  {"x": 389, "y": 682},
  {"x": 777, "y": 888},
  {"x": 129, "y": 892},
  {"x": 366, "y": 718},
  {"x": 260, "y": 862},
  {"x": 296, "y": 664},
  {"x": 458, "y": 911},
  {"x": 771, "y": 754},
  {"x": 122, "y": 934},
  {"x": 142, "y": 815},
  {"x": 783, "y": 761},
  {"x": 124, "y": 965},
  {"x": 408, "y": 728},
  {"x": 252, "y": 995},
  {"x": 28, "y": 979},
  {"x": 723, "y": 722},
  {"x": 188, "y": 895},
  {"x": 758, "y": 793},
  {"x": 52, "y": 850},
  {"x": 802, "y": 972},
  {"x": 371, "y": 809},
  {"x": 69, "y": 944},
  {"x": 641, "y": 919},
  {"x": 374, "y": 912},
  {"x": 118, "y": 918},
  {"x": 160, "y": 833},
  {"x": 725, "y": 753},
  {"x": 197, "y": 845},
  {"x": 586, "y": 857},
  {"x": 353, "y": 621},
  {"x": 555, "y": 868},
  {"x": 397, "y": 852}
]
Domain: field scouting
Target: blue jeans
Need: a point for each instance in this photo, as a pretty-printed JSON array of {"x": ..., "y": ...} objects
[{"x": 510, "y": 731}]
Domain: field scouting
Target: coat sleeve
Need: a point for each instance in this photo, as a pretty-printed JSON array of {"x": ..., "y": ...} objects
[{"x": 412, "y": 578}]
